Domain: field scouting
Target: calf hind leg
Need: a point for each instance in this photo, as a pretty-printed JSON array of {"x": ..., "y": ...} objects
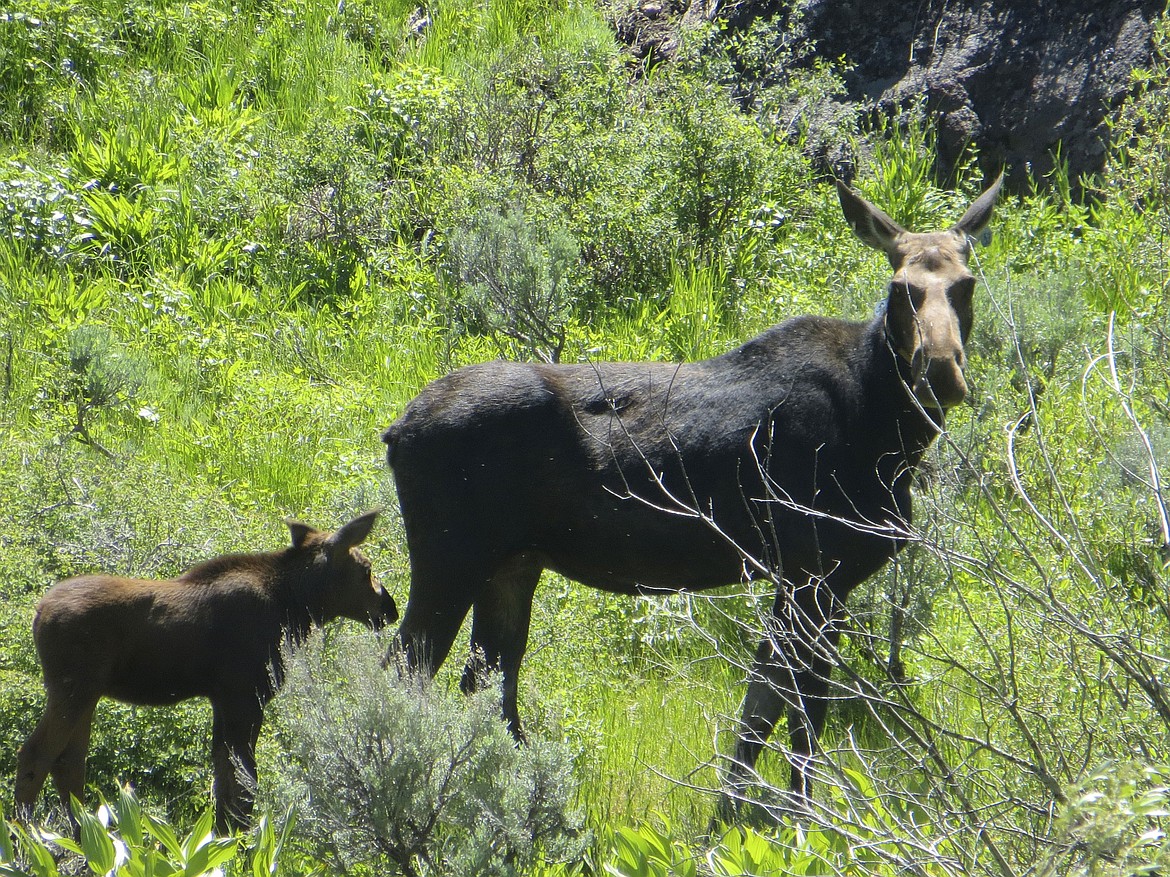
[
  {"x": 499, "y": 632},
  {"x": 68, "y": 770}
]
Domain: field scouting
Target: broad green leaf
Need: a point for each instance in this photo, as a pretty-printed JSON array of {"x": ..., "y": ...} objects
[
  {"x": 265, "y": 852},
  {"x": 264, "y": 849},
  {"x": 207, "y": 857},
  {"x": 129, "y": 816},
  {"x": 200, "y": 834},
  {"x": 96, "y": 845},
  {"x": 7, "y": 848},
  {"x": 165, "y": 835},
  {"x": 60, "y": 840},
  {"x": 36, "y": 851}
]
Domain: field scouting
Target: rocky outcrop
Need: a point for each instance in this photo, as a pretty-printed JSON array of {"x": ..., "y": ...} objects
[{"x": 1020, "y": 79}]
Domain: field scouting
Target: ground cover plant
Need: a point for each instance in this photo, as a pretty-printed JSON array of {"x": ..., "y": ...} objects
[{"x": 235, "y": 239}]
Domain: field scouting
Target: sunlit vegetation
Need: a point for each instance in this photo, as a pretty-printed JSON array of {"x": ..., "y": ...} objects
[{"x": 235, "y": 240}]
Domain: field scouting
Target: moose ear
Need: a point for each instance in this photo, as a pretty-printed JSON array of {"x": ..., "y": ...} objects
[
  {"x": 355, "y": 532},
  {"x": 975, "y": 221},
  {"x": 300, "y": 532},
  {"x": 869, "y": 223}
]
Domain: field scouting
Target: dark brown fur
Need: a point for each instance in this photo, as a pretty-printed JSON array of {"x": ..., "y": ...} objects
[
  {"x": 789, "y": 457},
  {"x": 216, "y": 632}
]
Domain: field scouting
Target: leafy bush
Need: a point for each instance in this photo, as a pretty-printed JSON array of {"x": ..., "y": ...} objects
[
  {"x": 41, "y": 209},
  {"x": 405, "y": 117},
  {"x": 103, "y": 378},
  {"x": 1114, "y": 824},
  {"x": 1141, "y": 149},
  {"x": 53, "y": 51},
  {"x": 394, "y": 774},
  {"x": 331, "y": 216},
  {"x": 655, "y": 849},
  {"x": 515, "y": 279}
]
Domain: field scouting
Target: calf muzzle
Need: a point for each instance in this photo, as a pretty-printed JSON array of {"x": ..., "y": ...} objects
[{"x": 387, "y": 612}]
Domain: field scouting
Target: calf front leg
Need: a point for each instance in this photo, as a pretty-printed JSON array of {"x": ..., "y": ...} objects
[{"x": 234, "y": 731}]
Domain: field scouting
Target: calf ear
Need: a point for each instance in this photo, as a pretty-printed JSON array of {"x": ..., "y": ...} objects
[
  {"x": 355, "y": 532},
  {"x": 300, "y": 532}
]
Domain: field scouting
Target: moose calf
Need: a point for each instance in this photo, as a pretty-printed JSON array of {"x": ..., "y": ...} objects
[{"x": 216, "y": 632}]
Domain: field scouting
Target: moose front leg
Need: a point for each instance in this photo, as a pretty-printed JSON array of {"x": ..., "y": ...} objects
[
  {"x": 234, "y": 730},
  {"x": 790, "y": 674},
  {"x": 499, "y": 633}
]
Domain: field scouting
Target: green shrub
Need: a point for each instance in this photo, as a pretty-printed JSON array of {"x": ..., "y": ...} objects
[
  {"x": 391, "y": 773},
  {"x": 1113, "y": 823},
  {"x": 718, "y": 161},
  {"x": 659, "y": 849},
  {"x": 406, "y": 118},
  {"x": 515, "y": 279},
  {"x": 41, "y": 209},
  {"x": 122, "y": 839},
  {"x": 330, "y": 217},
  {"x": 52, "y": 52},
  {"x": 1140, "y": 167}
]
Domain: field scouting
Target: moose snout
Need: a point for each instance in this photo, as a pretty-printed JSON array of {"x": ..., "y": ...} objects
[{"x": 940, "y": 382}]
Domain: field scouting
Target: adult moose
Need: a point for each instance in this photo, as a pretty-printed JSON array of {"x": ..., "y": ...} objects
[
  {"x": 216, "y": 632},
  {"x": 789, "y": 457}
]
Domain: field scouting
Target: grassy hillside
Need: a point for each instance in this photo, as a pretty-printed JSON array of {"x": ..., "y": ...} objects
[{"x": 235, "y": 240}]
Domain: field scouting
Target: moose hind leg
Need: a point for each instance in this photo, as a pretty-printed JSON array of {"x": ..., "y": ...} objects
[
  {"x": 499, "y": 632},
  {"x": 439, "y": 601}
]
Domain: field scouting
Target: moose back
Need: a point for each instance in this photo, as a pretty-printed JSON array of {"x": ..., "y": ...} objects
[{"x": 788, "y": 458}]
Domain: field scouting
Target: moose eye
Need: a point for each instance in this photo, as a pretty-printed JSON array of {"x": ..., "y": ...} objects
[
  {"x": 908, "y": 292},
  {"x": 961, "y": 292}
]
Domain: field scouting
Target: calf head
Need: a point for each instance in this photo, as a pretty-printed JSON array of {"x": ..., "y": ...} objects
[
  {"x": 345, "y": 586},
  {"x": 928, "y": 309}
]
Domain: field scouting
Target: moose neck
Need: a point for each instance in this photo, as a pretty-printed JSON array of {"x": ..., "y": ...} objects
[{"x": 301, "y": 581}]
